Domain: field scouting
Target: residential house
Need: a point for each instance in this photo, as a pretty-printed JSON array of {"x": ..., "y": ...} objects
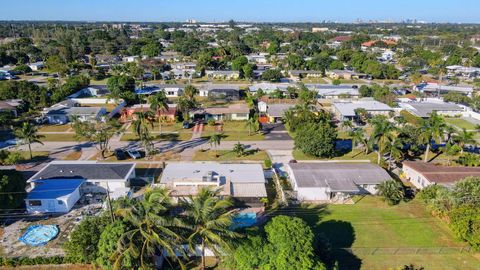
[
  {"x": 334, "y": 91},
  {"x": 63, "y": 112},
  {"x": 425, "y": 109},
  {"x": 423, "y": 174},
  {"x": 130, "y": 59},
  {"x": 167, "y": 115},
  {"x": 434, "y": 89},
  {"x": 11, "y": 105},
  {"x": 274, "y": 112},
  {"x": 220, "y": 92},
  {"x": 463, "y": 72},
  {"x": 258, "y": 58},
  {"x": 269, "y": 88},
  {"x": 299, "y": 74},
  {"x": 346, "y": 110},
  {"x": 222, "y": 74},
  {"x": 170, "y": 90},
  {"x": 243, "y": 182},
  {"x": 36, "y": 66},
  {"x": 60, "y": 184},
  {"x": 334, "y": 182},
  {"x": 337, "y": 74},
  {"x": 233, "y": 112}
]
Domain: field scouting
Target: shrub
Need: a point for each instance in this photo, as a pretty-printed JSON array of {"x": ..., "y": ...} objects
[
  {"x": 391, "y": 191},
  {"x": 267, "y": 163}
]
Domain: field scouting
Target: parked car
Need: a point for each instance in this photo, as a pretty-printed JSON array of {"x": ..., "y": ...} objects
[
  {"x": 120, "y": 154},
  {"x": 186, "y": 125},
  {"x": 134, "y": 153}
]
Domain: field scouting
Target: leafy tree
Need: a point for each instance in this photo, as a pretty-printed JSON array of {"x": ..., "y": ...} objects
[
  {"x": 239, "y": 62},
  {"x": 252, "y": 124},
  {"x": 316, "y": 139},
  {"x": 55, "y": 64},
  {"x": 291, "y": 244},
  {"x": 23, "y": 69},
  {"x": 121, "y": 86},
  {"x": 210, "y": 220},
  {"x": 190, "y": 92},
  {"x": 12, "y": 188},
  {"x": 28, "y": 135},
  {"x": 83, "y": 244},
  {"x": 151, "y": 49},
  {"x": 97, "y": 132},
  {"x": 108, "y": 244},
  {"x": 248, "y": 70},
  {"x": 391, "y": 191},
  {"x": 451, "y": 150},
  {"x": 366, "y": 91},
  {"x": 272, "y": 75}
]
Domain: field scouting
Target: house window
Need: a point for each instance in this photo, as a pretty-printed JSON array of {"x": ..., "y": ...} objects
[
  {"x": 35, "y": 203},
  {"x": 60, "y": 202},
  {"x": 97, "y": 183},
  {"x": 171, "y": 93}
]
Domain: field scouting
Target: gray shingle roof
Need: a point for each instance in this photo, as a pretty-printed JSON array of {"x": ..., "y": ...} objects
[
  {"x": 337, "y": 176},
  {"x": 424, "y": 109},
  {"x": 85, "y": 170}
]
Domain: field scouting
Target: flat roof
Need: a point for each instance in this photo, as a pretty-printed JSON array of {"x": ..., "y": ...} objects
[
  {"x": 85, "y": 170},
  {"x": 52, "y": 189},
  {"x": 424, "y": 109},
  {"x": 337, "y": 176},
  {"x": 446, "y": 175},
  {"x": 348, "y": 108},
  {"x": 278, "y": 110},
  {"x": 76, "y": 111},
  {"x": 195, "y": 171}
]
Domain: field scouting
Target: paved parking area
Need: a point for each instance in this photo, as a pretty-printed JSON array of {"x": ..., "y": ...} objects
[{"x": 276, "y": 131}]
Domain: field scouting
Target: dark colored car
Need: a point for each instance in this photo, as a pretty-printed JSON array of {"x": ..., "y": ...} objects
[
  {"x": 186, "y": 125},
  {"x": 120, "y": 154}
]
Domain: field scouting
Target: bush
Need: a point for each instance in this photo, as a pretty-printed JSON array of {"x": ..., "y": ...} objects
[
  {"x": 19, "y": 261},
  {"x": 391, "y": 191},
  {"x": 211, "y": 122},
  {"x": 469, "y": 159},
  {"x": 267, "y": 163},
  {"x": 316, "y": 139}
]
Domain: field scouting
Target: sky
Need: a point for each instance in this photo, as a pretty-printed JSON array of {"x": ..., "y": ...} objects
[{"x": 455, "y": 11}]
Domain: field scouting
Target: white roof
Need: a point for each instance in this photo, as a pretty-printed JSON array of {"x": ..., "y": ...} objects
[
  {"x": 194, "y": 171},
  {"x": 348, "y": 108}
]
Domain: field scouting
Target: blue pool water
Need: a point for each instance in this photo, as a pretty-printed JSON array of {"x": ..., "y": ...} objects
[
  {"x": 244, "y": 220},
  {"x": 39, "y": 235}
]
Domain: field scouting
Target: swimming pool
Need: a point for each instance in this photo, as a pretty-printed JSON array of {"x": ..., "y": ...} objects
[
  {"x": 39, "y": 235},
  {"x": 243, "y": 220}
]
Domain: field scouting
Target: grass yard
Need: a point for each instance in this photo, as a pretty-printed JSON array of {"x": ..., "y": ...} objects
[
  {"x": 371, "y": 225},
  {"x": 460, "y": 123},
  {"x": 58, "y": 137},
  {"x": 227, "y": 155},
  {"x": 353, "y": 155},
  {"x": 183, "y": 136},
  {"x": 55, "y": 128},
  {"x": 73, "y": 155},
  {"x": 233, "y": 131}
]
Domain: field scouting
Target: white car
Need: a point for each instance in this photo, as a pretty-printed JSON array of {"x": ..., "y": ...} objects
[{"x": 134, "y": 153}]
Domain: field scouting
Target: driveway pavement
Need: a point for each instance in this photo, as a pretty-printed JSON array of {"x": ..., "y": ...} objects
[{"x": 275, "y": 131}]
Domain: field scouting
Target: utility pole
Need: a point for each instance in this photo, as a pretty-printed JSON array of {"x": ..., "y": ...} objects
[{"x": 109, "y": 200}]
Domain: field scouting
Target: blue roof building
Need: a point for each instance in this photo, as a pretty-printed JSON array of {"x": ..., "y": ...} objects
[{"x": 53, "y": 195}]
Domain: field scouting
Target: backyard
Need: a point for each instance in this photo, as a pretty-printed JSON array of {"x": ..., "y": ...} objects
[
  {"x": 386, "y": 237},
  {"x": 460, "y": 123}
]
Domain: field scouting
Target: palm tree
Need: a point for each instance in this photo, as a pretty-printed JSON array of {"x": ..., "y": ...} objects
[
  {"x": 158, "y": 103},
  {"x": 28, "y": 135},
  {"x": 432, "y": 129},
  {"x": 154, "y": 228},
  {"x": 450, "y": 131},
  {"x": 464, "y": 137},
  {"x": 392, "y": 191},
  {"x": 382, "y": 134},
  {"x": 210, "y": 222},
  {"x": 347, "y": 124},
  {"x": 239, "y": 149},
  {"x": 190, "y": 92},
  {"x": 144, "y": 120},
  {"x": 252, "y": 124},
  {"x": 214, "y": 141},
  {"x": 358, "y": 136}
]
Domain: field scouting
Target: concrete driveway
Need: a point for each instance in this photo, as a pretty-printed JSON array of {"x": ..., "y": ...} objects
[{"x": 275, "y": 131}]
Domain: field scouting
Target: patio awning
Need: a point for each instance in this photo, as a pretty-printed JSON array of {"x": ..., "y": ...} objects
[{"x": 342, "y": 186}]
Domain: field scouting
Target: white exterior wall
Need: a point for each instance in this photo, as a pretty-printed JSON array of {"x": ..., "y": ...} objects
[
  {"x": 313, "y": 194},
  {"x": 203, "y": 93},
  {"x": 239, "y": 117},
  {"x": 101, "y": 186},
  {"x": 52, "y": 205},
  {"x": 416, "y": 178}
]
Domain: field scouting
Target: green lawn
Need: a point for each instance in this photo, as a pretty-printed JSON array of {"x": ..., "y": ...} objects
[
  {"x": 183, "y": 136},
  {"x": 54, "y": 128},
  {"x": 227, "y": 155},
  {"x": 460, "y": 123},
  {"x": 371, "y": 224},
  {"x": 353, "y": 155},
  {"x": 233, "y": 131},
  {"x": 58, "y": 137}
]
